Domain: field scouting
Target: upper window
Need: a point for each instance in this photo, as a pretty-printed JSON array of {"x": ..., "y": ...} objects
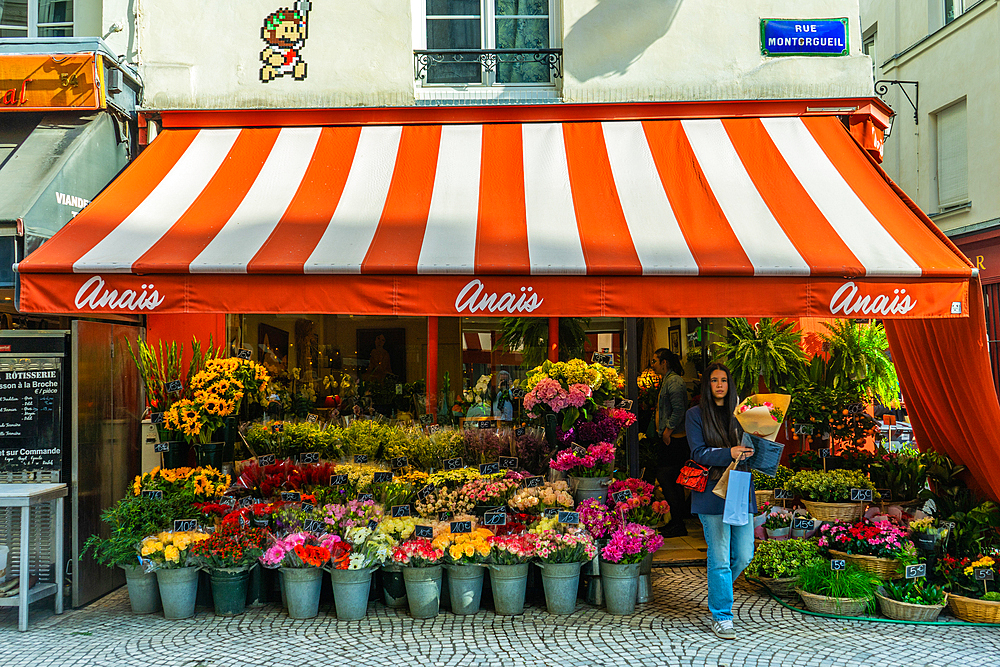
[
  {"x": 487, "y": 43},
  {"x": 952, "y": 157},
  {"x": 868, "y": 48},
  {"x": 36, "y": 18},
  {"x": 954, "y": 8}
]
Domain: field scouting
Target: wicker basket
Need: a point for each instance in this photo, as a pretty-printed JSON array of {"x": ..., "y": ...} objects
[
  {"x": 836, "y": 606},
  {"x": 764, "y": 497},
  {"x": 782, "y": 588},
  {"x": 883, "y": 568},
  {"x": 908, "y": 506},
  {"x": 834, "y": 511},
  {"x": 973, "y": 610},
  {"x": 904, "y": 611}
]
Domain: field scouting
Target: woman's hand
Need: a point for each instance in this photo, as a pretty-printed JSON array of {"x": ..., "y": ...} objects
[{"x": 739, "y": 451}]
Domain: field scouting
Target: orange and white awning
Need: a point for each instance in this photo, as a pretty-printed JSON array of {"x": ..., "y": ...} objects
[{"x": 778, "y": 216}]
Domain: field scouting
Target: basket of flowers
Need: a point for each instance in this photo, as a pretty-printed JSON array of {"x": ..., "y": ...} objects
[
  {"x": 776, "y": 564},
  {"x": 974, "y": 596},
  {"x": 877, "y": 547},
  {"x": 827, "y": 495}
]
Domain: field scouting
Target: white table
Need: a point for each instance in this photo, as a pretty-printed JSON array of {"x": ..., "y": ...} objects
[{"x": 26, "y": 496}]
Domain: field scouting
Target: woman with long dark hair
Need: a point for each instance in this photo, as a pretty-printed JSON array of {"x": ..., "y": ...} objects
[{"x": 714, "y": 437}]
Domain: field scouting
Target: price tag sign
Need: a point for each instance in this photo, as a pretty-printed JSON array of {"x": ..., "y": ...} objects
[
  {"x": 185, "y": 524},
  {"x": 984, "y": 573},
  {"x": 508, "y": 463},
  {"x": 174, "y": 387},
  {"x": 312, "y": 419},
  {"x": 361, "y": 458},
  {"x": 398, "y": 462},
  {"x": 621, "y": 496},
  {"x": 382, "y": 478},
  {"x": 400, "y": 511},
  {"x": 782, "y": 494},
  {"x": 372, "y": 524},
  {"x": 495, "y": 519},
  {"x": 309, "y": 457},
  {"x": 399, "y": 390},
  {"x": 578, "y": 450},
  {"x": 838, "y": 565},
  {"x": 243, "y": 522},
  {"x": 824, "y": 453},
  {"x": 152, "y": 494},
  {"x": 861, "y": 495},
  {"x": 423, "y": 532},
  {"x": 802, "y": 524},
  {"x": 916, "y": 571},
  {"x": 519, "y": 431},
  {"x": 424, "y": 492},
  {"x": 444, "y": 516},
  {"x": 278, "y": 428},
  {"x": 550, "y": 512},
  {"x": 313, "y": 526},
  {"x": 156, "y": 418},
  {"x": 291, "y": 497},
  {"x": 626, "y": 404},
  {"x": 246, "y": 502},
  {"x": 855, "y": 408},
  {"x": 366, "y": 497},
  {"x": 261, "y": 520},
  {"x": 427, "y": 420},
  {"x": 461, "y": 526},
  {"x": 532, "y": 482},
  {"x": 486, "y": 423},
  {"x": 161, "y": 447},
  {"x": 489, "y": 468},
  {"x": 517, "y": 392},
  {"x": 228, "y": 501},
  {"x": 803, "y": 429},
  {"x": 266, "y": 460},
  {"x": 433, "y": 428},
  {"x": 307, "y": 507},
  {"x": 244, "y": 354},
  {"x": 569, "y": 517},
  {"x": 453, "y": 464},
  {"x": 338, "y": 480}
]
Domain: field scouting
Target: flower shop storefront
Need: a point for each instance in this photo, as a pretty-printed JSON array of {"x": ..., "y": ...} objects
[{"x": 595, "y": 211}]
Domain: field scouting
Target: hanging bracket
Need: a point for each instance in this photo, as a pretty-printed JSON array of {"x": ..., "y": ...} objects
[{"x": 882, "y": 87}]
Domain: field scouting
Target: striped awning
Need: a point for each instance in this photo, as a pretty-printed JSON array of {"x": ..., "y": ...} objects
[{"x": 759, "y": 216}]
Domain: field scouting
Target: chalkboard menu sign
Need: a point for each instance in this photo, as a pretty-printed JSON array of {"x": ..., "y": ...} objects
[{"x": 31, "y": 419}]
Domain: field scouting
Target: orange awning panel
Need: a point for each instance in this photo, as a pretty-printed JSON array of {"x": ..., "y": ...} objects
[{"x": 783, "y": 216}]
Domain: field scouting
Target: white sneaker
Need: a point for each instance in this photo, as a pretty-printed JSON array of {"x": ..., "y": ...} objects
[{"x": 724, "y": 629}]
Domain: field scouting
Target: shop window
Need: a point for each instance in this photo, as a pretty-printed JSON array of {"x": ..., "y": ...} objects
[
  {"x": 36, "y": 18},
  {"x": 952, "y": 157}
]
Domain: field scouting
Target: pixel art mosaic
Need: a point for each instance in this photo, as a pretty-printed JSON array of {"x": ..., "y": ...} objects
[{"x": 284, "y": 33}]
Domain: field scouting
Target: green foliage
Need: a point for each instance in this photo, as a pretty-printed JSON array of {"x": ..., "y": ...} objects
[
  {"x": 852, "y": 582},
  {"x": 914, "y": 591},
  {"x": 857, "y": 356},
  {"x": 992, "y": 596},
  {"x": 976, "y": 521},
  {"x": 530, "y": 335},
  {"x": 905, "y": 475},
  {"x": 159, "y": 366},
  {"x": 294, "y": 438},
  {"x": 828, "y": 487},
  {"x": 826, "y": 411},
  {"x": 782, "y": 559},
  {"x": 764, "y": 482},
  {"x": 130, "y": 520},
  {"x": 770, "y": 350}
]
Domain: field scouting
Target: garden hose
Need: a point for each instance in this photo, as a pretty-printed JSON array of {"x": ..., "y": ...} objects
[{"x": 950, "y": 624}]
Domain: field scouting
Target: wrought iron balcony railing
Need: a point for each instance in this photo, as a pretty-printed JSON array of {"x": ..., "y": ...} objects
[{"x": 487, "y": 59}]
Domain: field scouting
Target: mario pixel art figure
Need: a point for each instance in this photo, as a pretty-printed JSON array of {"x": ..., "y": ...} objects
[{"x": 284, "y": 33}]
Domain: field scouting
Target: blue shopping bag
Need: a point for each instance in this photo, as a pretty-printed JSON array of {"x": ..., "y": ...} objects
[
  {"x": 737, "y": 508},
  {"x": 766, "y": 454}
]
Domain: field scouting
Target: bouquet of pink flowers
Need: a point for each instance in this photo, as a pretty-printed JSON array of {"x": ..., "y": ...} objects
[
  {"x": 488, "y": 490},
  {"x": 539, "y": 498},
  {"x": 882, "y": 539},
  {"x": 631, "y": 543},
  {"x": 301, "y": 550},
  {"x": 762, "y": 414},
  {"x": 512, "y": 549},
  {"x": 417, "y": 553},
  {"x": 354, "y": 513},
  {"x": 639, "y": 507},
  {"x": 597, "y": 462},
  {"x": 555, "y": 547},
  {"x": 599, "y": 519},
  {"x": 549, "y": 393}
]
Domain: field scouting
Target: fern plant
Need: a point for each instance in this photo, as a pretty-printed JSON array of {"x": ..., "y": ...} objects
[
  {"x": 857, "y": 354},
  {"x": 769, "y": 350},
  {"x": 530, "y": 335}
]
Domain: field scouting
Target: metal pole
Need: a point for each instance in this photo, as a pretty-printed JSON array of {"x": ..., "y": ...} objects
[{"x": 630, "y": 370}]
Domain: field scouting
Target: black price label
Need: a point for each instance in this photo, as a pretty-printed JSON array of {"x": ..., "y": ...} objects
[
  {"x": 453, "y": 464},
  {"x": 174, "y": 387},
  {"x": 824, "y": 453},
  {"x": 423, "y": 532},
  {"x": 495, "y": 519},
  {"x": 984, "y": 573},
  {"x": 508, "y": 462},
  {"x": 156, "y": 418},
  {"x": 603, "y": 359},
  {"x": 461, "y": 526},
  {"x": 621, "y": 496},
  {"x": 532, "y": 482},
  {"x": 426, "y": 420},
  {"x": 338, "y": 480},
  {"x": 161, "y": 447},
  {"x": 309, "y": 457},
  {"x": 183, "y": 525},
  {"x": 424, "y": 492},
  {"x": 382, "y": 478},
  {"x": 228, "y": 501},
  {"x": 261, "y": 520},
  {"x": 312, "y": 419},
  {"x": 626, "y": 404},
  {"x": 244, "y": 354},
  {"x": 291, "y": 497},
  {"x": 243, "y": 522},
  {"x": 517, "y": 392},
  {"x": 519, "y": 431},
  {"x": 400, "y": 511},
  {"x": 444, "y": 516},
  {"x": 266, "y": 460},
  {"x": 246, "y": 502},
  {"x": 489, "y": 468},
  {"x": 569, "y": 517},
  {"x": 782, "y": 494},
  {"x": 550, "y": 512},
  {"x": 372, "y": 524},
  {"x": 366, "y": 497},
  {"x": 398, "y": 462},
  {"x": 278, "y": 428},
  {"x": 486, "y": 423},
  {"x": 916, "y": 571},
  {"x": 433, "y": 428},
  {"x": 861, "y": 495},
  {"x": 855, "y": 408},
  {"x": 838, "y": 565},
  {"x": 314, "y": 526},
  {"x": 307, "y": 507},
  {"x": 361, "y": 458},
  {"x": 152, "y": 494},
  {"x": 578, "y": 450},
  {"x": 803, "y": 429},
  {"x": 802, "y": 524}
]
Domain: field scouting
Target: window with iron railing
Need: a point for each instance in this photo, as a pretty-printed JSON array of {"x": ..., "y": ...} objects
[{"x": 36, "y": 18}]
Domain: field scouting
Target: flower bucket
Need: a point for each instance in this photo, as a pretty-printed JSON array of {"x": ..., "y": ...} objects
[
  {"x": 561, "y": 582},
  {"x": 350, "y": 592},
  {"x": 393, "y": 587},
  {"x": 779, "y": 534},
  {"x": 210, "y": 454},
  {"x": 925, "y": 541},
  {"x": 143, "y": 592},
  {"x": 465, "y": 588},
  {"x": 423, "y": 590},
  {"x": 509, "y": 583},
  {"x": 176, "y": 455},
  {"x": 281, "y": 587},
  {"x": 589, "y": 487},
  {"x": 229, "y": 590},
  {"x": 644, "y": 591},
  {"x": 302, "y": 586},
  {"x": 178, "y": 591},
  {"x": 621, "y": 584}
]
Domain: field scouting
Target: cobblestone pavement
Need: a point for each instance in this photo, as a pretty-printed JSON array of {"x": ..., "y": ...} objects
[{"x": 667, "y": 631}]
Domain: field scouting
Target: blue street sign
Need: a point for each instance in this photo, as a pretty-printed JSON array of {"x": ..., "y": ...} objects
[{"x": 803, "y": 37}]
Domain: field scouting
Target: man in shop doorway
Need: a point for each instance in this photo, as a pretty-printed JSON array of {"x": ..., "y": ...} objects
[{"x": 672, "y": 448}]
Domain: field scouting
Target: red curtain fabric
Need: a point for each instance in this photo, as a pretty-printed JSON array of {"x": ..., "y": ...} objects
[{"x": 944, "y": 369}]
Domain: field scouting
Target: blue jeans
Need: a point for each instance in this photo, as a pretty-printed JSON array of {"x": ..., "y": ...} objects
[{"x": 730, "y": 550}]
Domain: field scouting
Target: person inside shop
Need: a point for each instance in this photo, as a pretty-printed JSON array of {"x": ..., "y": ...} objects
[
  {"x": 672, "y": 445},
  {"x": 503, "y": 401},
  {"x": 714, "y": 437}
]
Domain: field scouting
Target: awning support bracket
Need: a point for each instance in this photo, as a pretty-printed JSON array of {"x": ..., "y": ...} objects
[{"x": 882, "y": 87}]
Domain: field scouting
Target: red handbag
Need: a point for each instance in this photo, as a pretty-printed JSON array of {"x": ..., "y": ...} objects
[{"x": 693, "y": 476}]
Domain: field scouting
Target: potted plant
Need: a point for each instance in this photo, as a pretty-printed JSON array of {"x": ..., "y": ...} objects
[
  {"x": 421, "y": 563},
  {"x": 621, "y": 559},
  {"x": 227, "y": 555},
  {"x": 881, "y": 548},
  {"x": 911, "y": 600},
  {"x": 972, "y": 599},
  {"x": 177, "y": 579},
  {"x": 778, "y": 525},
  {"x": 464, "y": 557},
  {"x": 776, "y": 564},
  {"x": 560, "y": 556},
  {"x": 351, "y": 577},
  {"x": 768, "y": 352},
  {"x": 827, "y": 495},
  {"x": 924, "y": 533},
  {"x": 847, "y": 592},
  {"x": 299, "y": 558},
  {"x": 508, "y": 563},
  {"x": 764, "y": 485},
  {"x": 589, "y": 472}
]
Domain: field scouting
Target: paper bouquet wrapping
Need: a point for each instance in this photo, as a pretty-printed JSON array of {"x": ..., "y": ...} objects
[{"x": 762, "y": 414}]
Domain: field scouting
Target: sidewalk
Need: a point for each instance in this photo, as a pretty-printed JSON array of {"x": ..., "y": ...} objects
[{"x": 667, "y": 631}]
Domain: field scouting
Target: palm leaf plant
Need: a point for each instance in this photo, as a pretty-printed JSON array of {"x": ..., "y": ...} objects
[
  {"x": 858, "y": 354},
  {"x": 769, "y": 350},
  {"x": 530, "y": 336}
]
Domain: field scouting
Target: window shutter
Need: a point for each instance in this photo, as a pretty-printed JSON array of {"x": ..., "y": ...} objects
[{"x": 953, "y": 160}]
